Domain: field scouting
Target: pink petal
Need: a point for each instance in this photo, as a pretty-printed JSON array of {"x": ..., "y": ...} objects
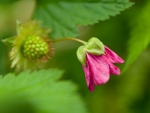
[
  {"x": 96, "y": 70},
  {"x": 89, "y": 80},
  {"x": 112, "y": 56},
  {"x": 113, "y": 69}
]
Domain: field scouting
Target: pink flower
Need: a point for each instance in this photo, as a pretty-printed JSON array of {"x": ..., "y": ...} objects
[{"x": 99, "y": 67}]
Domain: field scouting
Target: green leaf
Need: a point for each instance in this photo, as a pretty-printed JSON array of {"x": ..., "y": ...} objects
[
  {"x": 64, "y": 16},
  {"x": 140, "y": 35},
  {"x": 39, "y": 92}
]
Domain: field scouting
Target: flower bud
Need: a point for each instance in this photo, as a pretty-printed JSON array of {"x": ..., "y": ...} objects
[
  {"x": 31, "y": 46},
  {"x": 35, "y": 47},
  {"x": 93, "y": 46}
]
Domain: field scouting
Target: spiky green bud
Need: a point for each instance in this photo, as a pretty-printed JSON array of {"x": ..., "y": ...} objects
[
  {"x": 35, "y": 47},
  {"x": 31, "y": 46}
]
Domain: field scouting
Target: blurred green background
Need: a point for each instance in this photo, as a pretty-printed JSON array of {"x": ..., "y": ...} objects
[{"x": 127, "y": 93}]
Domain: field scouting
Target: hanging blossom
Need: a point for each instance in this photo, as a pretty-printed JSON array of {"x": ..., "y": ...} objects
[
  {"x": 97, "y": 62},
  {"x": 31, "y": 47}
]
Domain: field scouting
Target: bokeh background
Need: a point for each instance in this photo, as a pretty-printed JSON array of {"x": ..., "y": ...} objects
[{"x": 127, "y": 93}]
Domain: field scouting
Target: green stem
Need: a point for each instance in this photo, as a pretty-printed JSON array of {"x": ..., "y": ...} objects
[{"x": 74, "y": 39}]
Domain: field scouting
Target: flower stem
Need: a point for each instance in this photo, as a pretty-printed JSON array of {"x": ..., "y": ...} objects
[{"x": 74, "y": 39}]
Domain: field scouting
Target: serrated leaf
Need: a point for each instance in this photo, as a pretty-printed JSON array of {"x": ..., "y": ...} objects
[
  {"x": 140, "y": 35},
  {"x": 39, "y": 92},
  {"x": 63, "y": 16}
]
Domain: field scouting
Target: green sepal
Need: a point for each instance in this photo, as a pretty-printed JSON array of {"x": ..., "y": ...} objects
[
  {"x": 9, "y": 41},
  {"x": 95, "y": 46},
  {"x": 18, "y": 27},
  {"x": 81, "y": 54}
]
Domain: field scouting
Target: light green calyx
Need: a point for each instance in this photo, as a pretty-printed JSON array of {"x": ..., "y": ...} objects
[{"x": 93, "y": 46}]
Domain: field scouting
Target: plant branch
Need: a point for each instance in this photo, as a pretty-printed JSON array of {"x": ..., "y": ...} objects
[{"x": 64, "y": 39}]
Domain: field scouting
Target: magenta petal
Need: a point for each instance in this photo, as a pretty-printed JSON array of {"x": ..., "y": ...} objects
[
  {"x": 89, "y": 80},
  {"x": 113, "y": 69},
  {"x": 96, "y": 70},
  {"x": 112, "y": 56}
]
